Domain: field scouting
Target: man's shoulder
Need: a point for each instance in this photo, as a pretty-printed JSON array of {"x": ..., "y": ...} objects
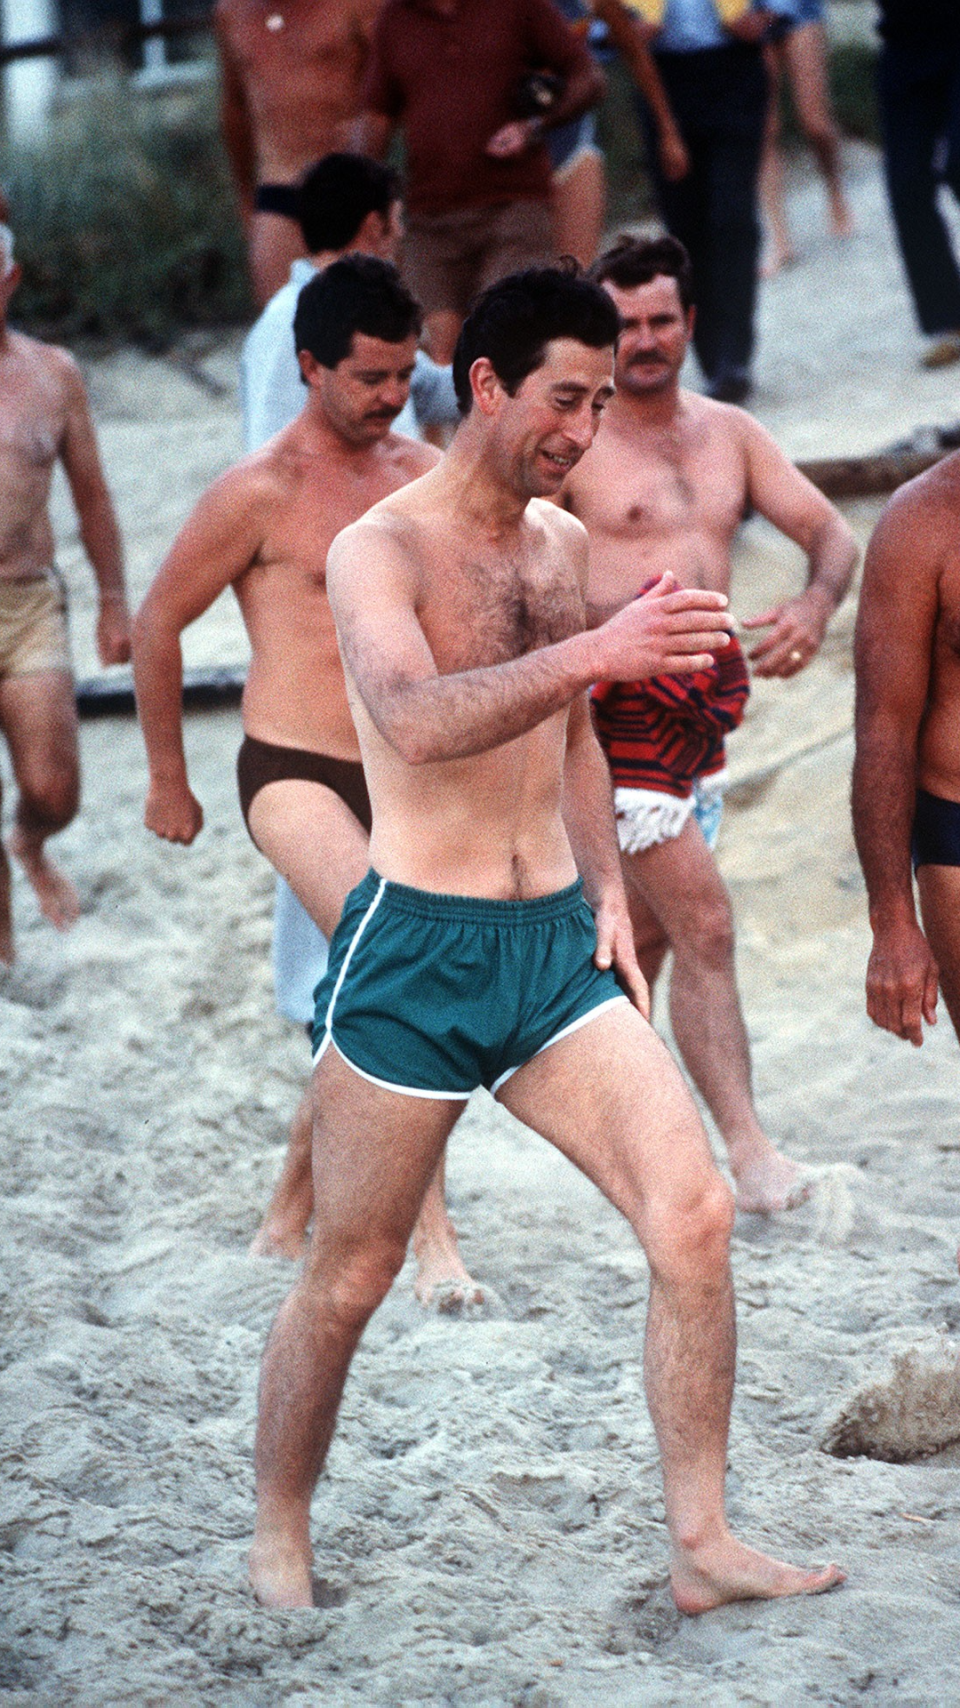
[
  {"x": 558, "y": 524},
  {"x": 930, "y": 502},
  {"x": 51, "y": 363}
]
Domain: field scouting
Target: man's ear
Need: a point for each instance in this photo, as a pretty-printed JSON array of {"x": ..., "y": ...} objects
[
  {"x": 485, "y": 385},
  {"x": 310, "y": 368}
]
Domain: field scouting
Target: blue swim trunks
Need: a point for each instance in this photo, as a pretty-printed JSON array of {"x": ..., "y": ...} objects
[{"x": 434, "y": 995}]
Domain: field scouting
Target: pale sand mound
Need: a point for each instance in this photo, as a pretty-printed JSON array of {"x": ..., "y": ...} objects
[{"x": 912, "y": 1414}]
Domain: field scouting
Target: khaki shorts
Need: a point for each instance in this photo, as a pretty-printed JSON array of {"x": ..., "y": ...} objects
[
  {"x": 33, "y": 626},
  {"x": 448, "y": 259}
]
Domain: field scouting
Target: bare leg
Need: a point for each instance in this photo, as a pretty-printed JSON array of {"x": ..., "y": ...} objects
[
  {"x": 313, "y": 840},
  {"x": 579, "y": 206},
  {"x": 939, "y": 888},
  {"x": 373, "y": 1154},
  {"x": 610, "y": 1098},
  {"x": 39, "y": 718},
  {"x": 805, "y": 53},
  {"x": 680, "y": 882},
  {"x": 772, "y": 196},
  {"x": 273, "y": 244},
  {"x": 442, "y": 331}
]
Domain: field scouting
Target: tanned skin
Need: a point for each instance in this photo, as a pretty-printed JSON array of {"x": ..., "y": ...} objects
[
  {"x": 460, "y": 609},
  {"x": 264, "y": 529},
  {"x": 290, "y": 89},
  {"x": 665, "y": 490},
  {"x": 45, "y": 419}
]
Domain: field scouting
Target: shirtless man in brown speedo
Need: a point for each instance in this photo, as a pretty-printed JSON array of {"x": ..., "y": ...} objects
[
  {"x": 264, "y": 528},
  {"x": 666, "y": 489},
  {"x": 906, "y": 775},
  {"x": 473, "y": 953},
  {"x": 45, "y": 417},
  {"x": 290, "y": 85}
]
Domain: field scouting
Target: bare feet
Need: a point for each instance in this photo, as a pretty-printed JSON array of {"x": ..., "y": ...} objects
[
  {"x": 726, "y": 1570},
  {"x": 274, "y": 1240},
  {"x": 766, "y": 1181},
  {"x": 444, "y": 1283},
  {"x": 7, "y": 954},
  {"x": 280, "y": 1574},
  {"x": 58, "y": 899}
]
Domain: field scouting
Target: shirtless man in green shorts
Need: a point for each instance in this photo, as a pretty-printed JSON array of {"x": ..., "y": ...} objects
[
  {"x": 45, "y": 417},
  {"x": 473, "y": 953},
  {"x": 264, "y": 528}
]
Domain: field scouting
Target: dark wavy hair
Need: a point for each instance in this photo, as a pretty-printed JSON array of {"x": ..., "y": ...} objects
[
  {"x": 358, "y": 293},
  {"x": 338, "y": 193},
  {"x": 513, "y": 322},
  {"x": 636, "y": 260}
]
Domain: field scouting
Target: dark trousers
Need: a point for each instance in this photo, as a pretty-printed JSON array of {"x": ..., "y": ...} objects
[
  {"x": 719, "y": 99},
  {"x": 919, "y": 89}
]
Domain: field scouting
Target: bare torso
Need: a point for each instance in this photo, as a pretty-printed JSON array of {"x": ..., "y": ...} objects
[
  {"x": 487, "y": 825},
  {"x": 300, "y": 63},
  {"x": 34, "y": 406},
  {"x": 656, "y": 498},
  {"x": 295, "y": 694},
  {"x": 939, "y": 536}
]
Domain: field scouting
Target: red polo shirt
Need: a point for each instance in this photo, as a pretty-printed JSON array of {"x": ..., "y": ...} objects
[{"x": 451, "y": 82}]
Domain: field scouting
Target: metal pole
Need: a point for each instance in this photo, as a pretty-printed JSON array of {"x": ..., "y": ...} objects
[{"x": 29, "y": 85}]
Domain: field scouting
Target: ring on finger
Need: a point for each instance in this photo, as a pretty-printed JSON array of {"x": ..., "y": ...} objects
[{"x": 796, "y": 657}]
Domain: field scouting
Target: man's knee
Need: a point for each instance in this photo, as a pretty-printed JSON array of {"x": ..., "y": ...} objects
[
  {"x": 687, "y": 1239},
  {"x": 349, "y": 1286},
  {"x": 49, "y": 794},
  {"x": 709, "y": 933}
]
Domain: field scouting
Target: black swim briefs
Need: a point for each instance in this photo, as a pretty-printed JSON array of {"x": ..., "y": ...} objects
[
  {"x": 283, "y": 199},
  {"x": 936, "y": 831},
  {"x": 262, "y": 762}
]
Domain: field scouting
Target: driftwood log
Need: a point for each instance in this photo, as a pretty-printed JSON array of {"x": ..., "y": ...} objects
[{"x": 882, "y": 471}]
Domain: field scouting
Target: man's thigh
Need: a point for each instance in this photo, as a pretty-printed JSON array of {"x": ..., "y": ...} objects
[
  {"x": 441, "y": 259},
  {"x": 520, "y": 234},
  {"x": 611, "y": 1098},
  {"x": 939, "y": 888},
  {"x": 38, "y": 715},
  {"x": 374, "y": 1152},
  {"x": 312, "y": 839},
  {"x": 680, "y": 882}
]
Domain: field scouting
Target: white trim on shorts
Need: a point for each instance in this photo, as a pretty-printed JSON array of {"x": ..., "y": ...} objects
[
  {"x": 361, "y": 928},
  {"x": 564, "y": 1032},
  {"x": 387, "y": 1084}
]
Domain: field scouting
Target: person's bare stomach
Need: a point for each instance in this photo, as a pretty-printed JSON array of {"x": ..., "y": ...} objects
[
  {"x": 293, "y": 135},
  {"x": 622, "y": 564},
  {"x": 938, "y": 767},
  {"x": 300, "y": 708}
]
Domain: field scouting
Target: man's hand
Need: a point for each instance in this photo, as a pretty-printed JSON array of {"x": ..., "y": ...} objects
[
  {"x": 902, "y": 981},
  {"x": 113, "y": 632},
  {"x": 615, "y": 949},
  {"x": 797, "y": 628},
  {"x": 173, "y": 812},
  {"x": 665, "y": 632},
  {"x": 513, "y": 139}
]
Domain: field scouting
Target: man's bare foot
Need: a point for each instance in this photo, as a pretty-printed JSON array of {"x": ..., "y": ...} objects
[
  {"x": 280, "y": 1575},
  {"x": 58, "y": 899},
  {"x": 726, "y": 1570},
  {"x": 271, "y": 1241},
  {"x": 444, "y": 1283},
  {"x": 765, "y": 1181}
]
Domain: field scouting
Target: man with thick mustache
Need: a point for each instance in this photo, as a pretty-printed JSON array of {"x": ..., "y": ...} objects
[{"x": 666, "y": 488}]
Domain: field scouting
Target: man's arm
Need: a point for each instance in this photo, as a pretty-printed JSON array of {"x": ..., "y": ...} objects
[
  {"x": 552, "y": 45},
  {"x": 631, "y": 38},
  {"x": 215, "y": 545},
  {"x": 235, "y": 122},
  {"x": 794, "y": 505},
  {"x": 373, "y": 587},
  {"x": 894, "y": 637},
  {"x": 589, "y": 820},
  {"x": 98, "y": 523}
]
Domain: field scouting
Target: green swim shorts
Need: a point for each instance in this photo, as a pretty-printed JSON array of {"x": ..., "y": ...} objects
[{"x": 433, "y": 995}]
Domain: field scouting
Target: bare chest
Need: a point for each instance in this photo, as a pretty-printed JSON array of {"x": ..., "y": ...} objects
[
  {"x": 947, "y": 634},
  {"x": 661, "y": 486},
  {"x": 282, "y": 46},
  {"x": 484, "y": 610},
  {"x": 32, "y": 424}
]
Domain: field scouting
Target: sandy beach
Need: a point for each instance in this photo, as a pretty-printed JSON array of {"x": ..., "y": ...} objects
[{"x": 489, "y": 1531}]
